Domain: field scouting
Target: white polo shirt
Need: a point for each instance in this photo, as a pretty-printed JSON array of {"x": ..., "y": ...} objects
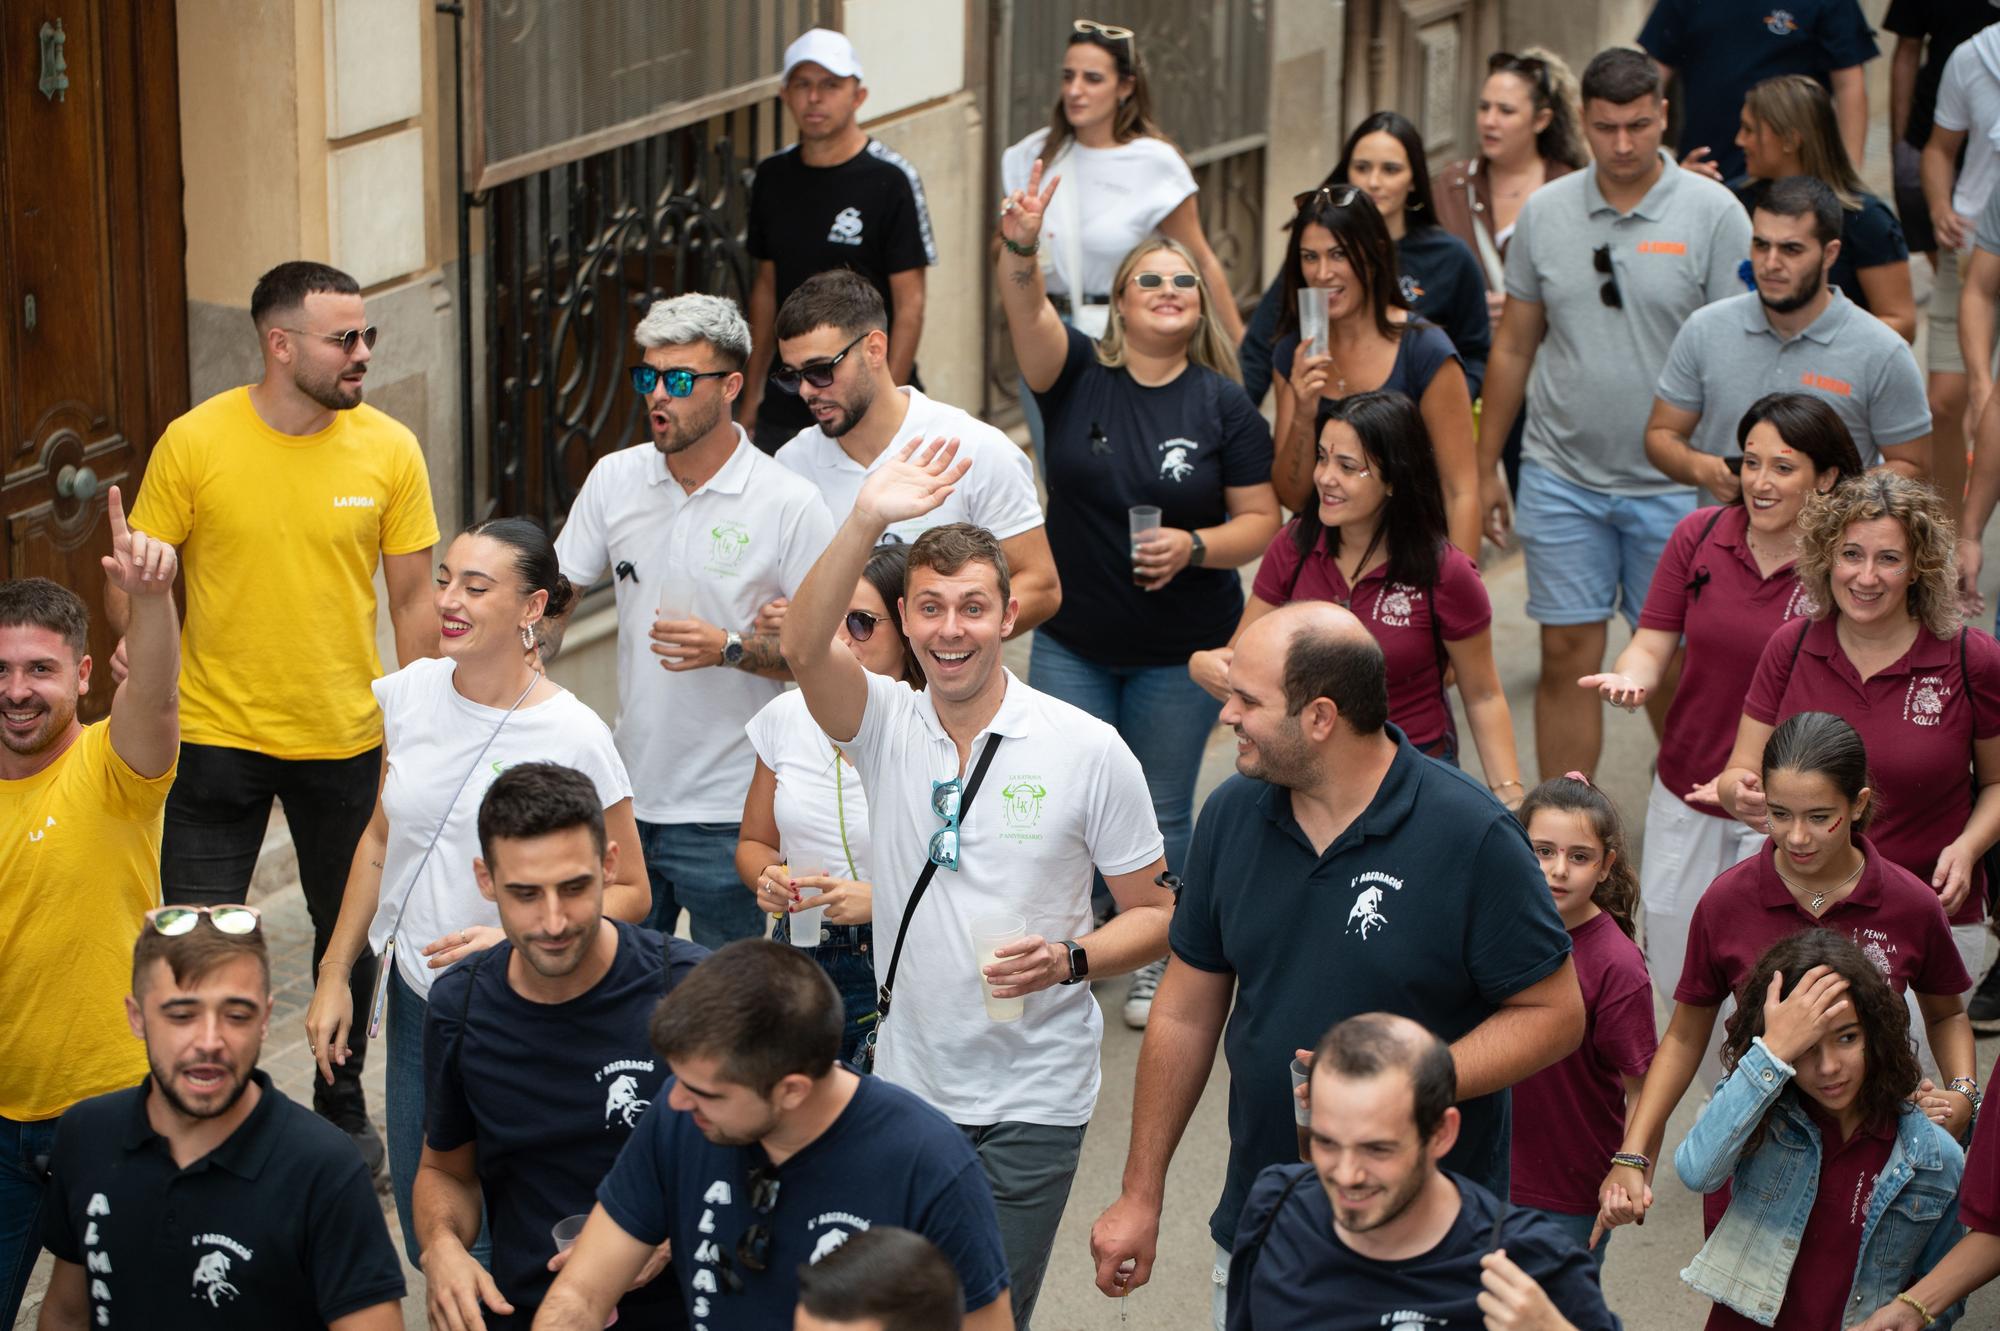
[
  {"x": 1063, "y": 794},
  {"x": 997, "y": 494},
  {"x": 748, "y": 535}
]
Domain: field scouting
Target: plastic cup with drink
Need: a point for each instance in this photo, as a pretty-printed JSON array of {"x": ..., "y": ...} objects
[
  {"x": 1145, "y": 524},
  {"x": 990, "y": 933},
  {"x": 1313, "y": 321},
  {"x": 804, "y": 923}
]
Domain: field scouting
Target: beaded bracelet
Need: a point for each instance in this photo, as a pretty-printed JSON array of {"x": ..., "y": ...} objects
[
  {"x": 1923, "y": 1312},
  {"x": 1632, "y": 1158}
]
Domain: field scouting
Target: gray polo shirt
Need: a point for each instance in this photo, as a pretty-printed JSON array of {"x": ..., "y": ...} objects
[
  {"x": 1591, "y": 388},
  {"x": 1987, "y": 234},
  {"x": 1728, "y": 355}
]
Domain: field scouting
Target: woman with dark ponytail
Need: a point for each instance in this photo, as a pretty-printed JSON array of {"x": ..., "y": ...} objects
[{"x": 451, "y": 725}]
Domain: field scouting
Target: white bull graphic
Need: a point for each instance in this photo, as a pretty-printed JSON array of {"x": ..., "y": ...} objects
[
  {"x": 211, "y": 1278},
  {"x": 623, "y": 1102},
  {"x": 1367, "y": 911}
]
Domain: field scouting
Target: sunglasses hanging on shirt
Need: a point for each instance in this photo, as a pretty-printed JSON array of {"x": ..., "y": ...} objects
[{"x": 1600, "y": 258}]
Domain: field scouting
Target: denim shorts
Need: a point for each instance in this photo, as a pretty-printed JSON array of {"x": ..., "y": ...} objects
[{"x": 1589, "y": 554}]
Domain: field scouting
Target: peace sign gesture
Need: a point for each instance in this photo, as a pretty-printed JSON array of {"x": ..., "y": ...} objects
[
  {"x": 138, "y": 565},
  {"x": 1021, "y": 214}
]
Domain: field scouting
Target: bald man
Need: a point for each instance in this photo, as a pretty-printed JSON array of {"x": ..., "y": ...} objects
[{"x": 1340, "y": 871}]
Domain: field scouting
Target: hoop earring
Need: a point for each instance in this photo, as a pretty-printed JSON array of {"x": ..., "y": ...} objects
[{"x": 528, "y": 637}]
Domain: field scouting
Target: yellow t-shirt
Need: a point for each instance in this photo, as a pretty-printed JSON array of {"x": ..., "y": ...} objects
[
  {"x": 280, "y": 536},
  {"x": 79, "y": 869}
]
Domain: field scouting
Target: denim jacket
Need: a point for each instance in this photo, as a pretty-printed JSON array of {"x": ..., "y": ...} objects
[{"x": 1912, "y": 1218}]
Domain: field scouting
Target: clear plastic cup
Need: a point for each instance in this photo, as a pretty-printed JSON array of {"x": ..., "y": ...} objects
[
  {"x": 1312, "y": 321},
  {"x": 566, "y": 1230},
  {"x": 1145, "y": 522},
  {"x": 1301, "y": 1111},
  {"x": 990, "y": 933},
  {"x": 804, "y": 924}
]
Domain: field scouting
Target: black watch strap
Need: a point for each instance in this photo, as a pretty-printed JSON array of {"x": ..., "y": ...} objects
[{"x": 1079, "y": 962}]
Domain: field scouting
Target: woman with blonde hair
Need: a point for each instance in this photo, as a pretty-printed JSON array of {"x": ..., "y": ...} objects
[
  {"x": 1788, "y": 128},
  {"x": 1886, "y": 652},
  {"x": 1159, "y": 479}
]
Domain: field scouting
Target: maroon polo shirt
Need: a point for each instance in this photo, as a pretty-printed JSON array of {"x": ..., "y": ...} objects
[
  {"x": 1569, "y": 1118},
  {"x": 1918, "y": 719},
  {"x": 1894, "y": 918},
  {"x": 1829, "y": 1250},
  {"x": 1397, "y": 613},
  {"x": 1708, "y": 590},
  {"x": 1979, "y": 1192}
]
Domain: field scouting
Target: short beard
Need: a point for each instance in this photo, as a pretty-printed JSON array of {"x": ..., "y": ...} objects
[
  {"x": 163, "y": 1082},
  {"x": 553, "y": 970},
  {"x": 54, "y": 726},
  {"x": 329, "y": 393},
  {"x": 1287, "y": 760},
  {"x": 681, "y": 437},
  {"x": 1805, "y": 296},
  {"x": 770, "y": 1126},
  {"x": 1399, "y": 1202},
  {"x": 851, "y": 412}
]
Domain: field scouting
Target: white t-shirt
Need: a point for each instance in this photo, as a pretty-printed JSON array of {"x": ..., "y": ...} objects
[
  {"x": 434, "y": 735},
  {"x": 1969, "y": 99},
  {"x": 1121, "y": 194},
  {"x": 998, "y": 493},
  {"x": 1063, "y": 794},
  {"x": 820, "y": 807},
  {"x": 750, "y": 534}
]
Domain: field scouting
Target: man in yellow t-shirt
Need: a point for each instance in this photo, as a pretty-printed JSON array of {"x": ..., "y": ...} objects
[
  {"x": 284, "y": 496},
  {"x": 80, "y": 811}
]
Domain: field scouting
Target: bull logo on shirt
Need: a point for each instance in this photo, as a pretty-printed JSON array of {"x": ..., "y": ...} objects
[
  {"x": 726, "y": 543},
  {"x": 1024, "y": 797},
  {"x": 1780, "y": 23},
  {"x": 211, "y": 1279},
  {"x": 829, "y": 1242},
  {"x": 1923, "y": 703},
  {"x": 1366, "y": 915},
  {"x": 623, "y": 1103},
  {"x": 1397, "y": 604},
  {"x": 1174, "y": 464}
]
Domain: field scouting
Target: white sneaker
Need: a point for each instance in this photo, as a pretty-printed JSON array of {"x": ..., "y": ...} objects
[{"x": 1139, "y": 998}]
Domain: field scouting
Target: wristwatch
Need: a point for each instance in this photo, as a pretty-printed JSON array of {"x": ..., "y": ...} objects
[
  {"x": 1197, "y": 549},
  {"x": 1079, "y": 963},
  {"x": 732, "y": 648}
]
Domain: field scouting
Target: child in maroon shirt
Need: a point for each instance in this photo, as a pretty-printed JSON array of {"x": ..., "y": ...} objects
[
  {"x": 1570, "y": 1116},
  {"x": 1816, "y": 870}
]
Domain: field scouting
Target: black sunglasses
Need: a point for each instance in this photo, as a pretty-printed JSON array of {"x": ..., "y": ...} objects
[
  {"x": 1154, "y": 281},
  {"x": 1608, "y": 293},
  {"x": 1532, "y": 68},
  {"x": 1340, "y": 196},
  {"x": 679, "y": 382},
  {"x": 753, "y": 1250},
  {"x": 818, "y": 373},
  {"x": 345, "y": 339},
  {"x": 861, "y": 624}
]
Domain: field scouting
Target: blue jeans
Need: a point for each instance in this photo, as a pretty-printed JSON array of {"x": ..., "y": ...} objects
[
  {"x": 1590, "y": 554},
  {"x": 1164, "y": 717},
  {"x": 694, "y": 865},
  {"x": 846, "y": 952},
  {"x": 24, "y": 1173},
  {"x": 403, "y": 1104},
  {"x": 1578, "y": 1228}
]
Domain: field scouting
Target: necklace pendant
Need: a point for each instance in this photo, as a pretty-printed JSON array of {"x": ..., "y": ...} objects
[{"x": 1818, "y": 902}]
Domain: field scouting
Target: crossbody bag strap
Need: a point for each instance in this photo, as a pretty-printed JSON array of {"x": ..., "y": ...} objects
[{"x": 882, "y": 995}]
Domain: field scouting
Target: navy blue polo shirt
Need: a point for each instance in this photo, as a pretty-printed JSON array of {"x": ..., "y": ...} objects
[
  {"x": 888, "y": 1159},
  {"x": 548, "y": 1094},
  {"x": 1430, "y": 905},
  {"x": 1303, "y": 1278},
  {"x": 278, "y": 1227},
  {"x": 1723, "y": 48}
]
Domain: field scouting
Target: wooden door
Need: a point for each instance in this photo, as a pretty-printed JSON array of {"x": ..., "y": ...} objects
[{"x": 93, "y": 318}]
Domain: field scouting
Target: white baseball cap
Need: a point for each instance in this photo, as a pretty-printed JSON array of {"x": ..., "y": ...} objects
[{"x": 826, "y": 48}]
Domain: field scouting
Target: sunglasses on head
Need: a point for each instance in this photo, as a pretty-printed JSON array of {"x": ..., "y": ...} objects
[
  {"x": 861, "y": 624},
  {"x": 1532, "y": 68},
  {"x": 1154, "y": 281},
  {"x": 1340, "y": 196},
  {"x": 1600, "y": 258},
  {"x": 173, "y": 921},
  {"x": 1110, "y": 32},
  {"x": 346, "y": 339},
  {"x": 818, "y": 373},
  {"x": 679, "y": 382}
]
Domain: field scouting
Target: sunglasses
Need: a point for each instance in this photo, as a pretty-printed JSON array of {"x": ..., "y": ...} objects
[
  {"x": 753, "y": 1250},
  {"x": 818, "y": 373},
  {"x": 679, "y": 382},
  {"x": 1608, "y": 293},
  {"x": 1532, "y": 68},
  {"x": 346, "y": 339},
  {"x": 1110, "y": 32},
  {"x": 1154, "y": 281},
  {"x": 945, "y": 803},
  {"x": 173, "y": 921},
  {"x": 1340, "y": 196},
  {"x": 861, "y": 624}
]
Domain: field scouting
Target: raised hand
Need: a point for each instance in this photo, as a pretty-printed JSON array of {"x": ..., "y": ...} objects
[
  {"x": 913, "y": 483},
  {"x": 1797, "y": 1022},
  {"x": 1021, "y": 212},
  {"x": 138, "y": 565}
]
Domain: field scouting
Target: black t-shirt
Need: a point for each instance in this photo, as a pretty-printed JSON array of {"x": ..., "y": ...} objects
[
  {"x": 1113, "y": 444},
  {"x": 1870, "y": 236},
  {"x": 868, "y": 214},
  {"x": 1305, "y": 1279},
  {"x": 888, "y": 1159},
  {"x": 1444, "y": 284},
  {"x": 1946, "y": 24},
  {"x": 548, "y": 1093},
  {"x": 278, "y": 1227},
  {"x": 1430, "y": 905}
]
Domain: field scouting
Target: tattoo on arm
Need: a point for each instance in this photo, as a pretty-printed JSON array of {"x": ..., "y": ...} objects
[
  {"x": 1021, "y": 277},
  {"x": 760, "y": 652}
]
